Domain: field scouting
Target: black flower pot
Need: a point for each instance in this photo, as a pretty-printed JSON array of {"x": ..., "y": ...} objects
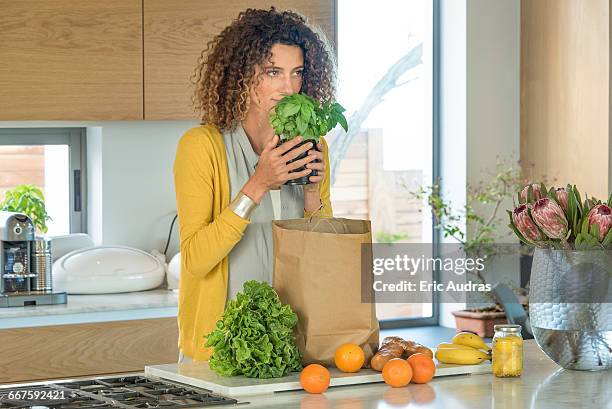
[{"x": 304, "y": 180}]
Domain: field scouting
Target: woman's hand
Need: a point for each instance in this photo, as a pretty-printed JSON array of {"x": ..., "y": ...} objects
[
  {"x": 273, "y": 168},
  {"x": 316, "y": 164}
]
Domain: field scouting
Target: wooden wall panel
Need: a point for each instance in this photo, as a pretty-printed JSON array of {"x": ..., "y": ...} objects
[
  {"x": 70, "y": 60},
  {"x": 175, "y": 33},
  {"x": 86, "y": 349},
  {"x": 565, "y": 51}
]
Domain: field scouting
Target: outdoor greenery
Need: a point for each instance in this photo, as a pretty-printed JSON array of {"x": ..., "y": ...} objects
[
  {"x": 476, "y": 226},
  {"x": 29, "y": 200}
]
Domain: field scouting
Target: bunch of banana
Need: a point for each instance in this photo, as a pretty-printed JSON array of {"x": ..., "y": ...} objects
[{"x": 464, "y": 349}]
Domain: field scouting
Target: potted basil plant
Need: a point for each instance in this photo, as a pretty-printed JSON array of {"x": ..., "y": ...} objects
[{"x": 300, "y": 115}]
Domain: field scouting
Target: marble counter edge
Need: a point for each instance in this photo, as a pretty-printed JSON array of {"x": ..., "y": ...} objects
[{"x": 159, "y": 303}]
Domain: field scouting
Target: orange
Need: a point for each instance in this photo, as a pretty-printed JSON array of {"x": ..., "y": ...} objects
[
  {"x": 349, "y": 358},
  {"x": 423, "y": 368},
  {"x": 315, "y": 378},
  {"x": 397, "y": 372}
]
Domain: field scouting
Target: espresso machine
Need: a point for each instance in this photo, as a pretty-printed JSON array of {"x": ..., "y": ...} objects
[{"x": 25, "y": 264}]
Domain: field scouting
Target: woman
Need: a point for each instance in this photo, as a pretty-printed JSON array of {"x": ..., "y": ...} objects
[{"x": 228, "y": 171}]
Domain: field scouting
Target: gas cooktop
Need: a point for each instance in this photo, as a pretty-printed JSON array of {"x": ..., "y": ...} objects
[{"x": 112, "y": 393}]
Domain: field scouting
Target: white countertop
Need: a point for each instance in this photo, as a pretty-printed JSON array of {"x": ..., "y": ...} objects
[
  {"x": 543, "y": 385},
  {"x": 159, "y": 303}
]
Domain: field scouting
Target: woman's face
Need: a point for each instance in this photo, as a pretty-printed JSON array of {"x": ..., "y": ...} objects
[{"x": 282, "y": 75}]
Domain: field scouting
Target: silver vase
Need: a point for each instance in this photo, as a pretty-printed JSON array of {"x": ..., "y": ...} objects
[{"x": 570, "y": 307}]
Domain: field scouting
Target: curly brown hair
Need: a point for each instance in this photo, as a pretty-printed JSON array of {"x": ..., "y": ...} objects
[{"x": 226, "y": 66}]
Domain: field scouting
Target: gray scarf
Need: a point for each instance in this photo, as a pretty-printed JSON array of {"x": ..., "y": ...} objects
[{"x": 252, "y": 258}]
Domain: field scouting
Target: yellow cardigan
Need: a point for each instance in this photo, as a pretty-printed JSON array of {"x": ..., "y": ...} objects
[{"x": 208, "y": 231}]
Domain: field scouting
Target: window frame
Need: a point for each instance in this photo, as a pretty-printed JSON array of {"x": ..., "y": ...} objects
[
  {"x": 434, "y": 319},
  {"x": 76, "y": 140}
]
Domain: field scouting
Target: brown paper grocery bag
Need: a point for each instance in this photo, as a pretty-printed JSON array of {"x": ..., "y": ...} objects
[{"x": 317, "y": 271}]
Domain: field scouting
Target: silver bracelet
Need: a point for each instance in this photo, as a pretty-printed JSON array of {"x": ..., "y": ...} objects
[{"x": 243, "y": 205}]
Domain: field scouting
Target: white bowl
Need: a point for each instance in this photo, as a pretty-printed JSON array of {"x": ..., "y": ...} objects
[
  {"x": 64, "y": 244},
  {"x": 107, "y": 270}
]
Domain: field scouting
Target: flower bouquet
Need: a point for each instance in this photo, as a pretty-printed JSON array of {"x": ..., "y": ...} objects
[
  {"x": 558, "y": 219},
  {"x": 570, "y": 298}
]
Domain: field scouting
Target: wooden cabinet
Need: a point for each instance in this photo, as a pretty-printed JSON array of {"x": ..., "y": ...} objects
[
  {"x": 114, "y": 60},
  {"x": 65, "y": 351},
  {"x": 565, "y": 93},
  {"x": 71, "y": 60},
  {"x": 176, "y": 33}
]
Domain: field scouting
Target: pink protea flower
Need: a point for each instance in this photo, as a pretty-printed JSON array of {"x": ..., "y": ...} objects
[
  {"x": 525, "y": 225},
  {"x": 601, "y": 215},
  {"x": 549, "y": 216},
  {"x": 537, "y": 194},
  {"x": 561, "y": 194}
]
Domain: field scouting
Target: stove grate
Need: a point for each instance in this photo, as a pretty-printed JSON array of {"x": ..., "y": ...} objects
[
  {"x": 71, "y": 400},
  {"x": 117, "y": 392}
]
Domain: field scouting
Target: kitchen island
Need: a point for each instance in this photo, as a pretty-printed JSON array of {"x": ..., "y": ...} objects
[
  {"x": 543, "y": 385},
  {"x": 90, "y": 334}
]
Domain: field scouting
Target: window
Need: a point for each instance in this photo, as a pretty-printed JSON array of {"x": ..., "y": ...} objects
[
  {"x": 54, "y": 161},
  {"x": 391, "y": 97}
]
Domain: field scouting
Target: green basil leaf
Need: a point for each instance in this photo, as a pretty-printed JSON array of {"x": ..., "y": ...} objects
[
  {"x": 305, "y": 113},
  {"x": 301, "y": 125},
  {"x": 343, "y": 123},
  {"x": 290, "y": 109}
]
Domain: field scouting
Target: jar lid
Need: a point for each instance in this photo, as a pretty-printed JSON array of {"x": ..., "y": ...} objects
[{"x": 507, "y": 327}]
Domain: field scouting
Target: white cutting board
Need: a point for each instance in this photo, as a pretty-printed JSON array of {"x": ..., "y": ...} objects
[{"x": 198, "y": 374}]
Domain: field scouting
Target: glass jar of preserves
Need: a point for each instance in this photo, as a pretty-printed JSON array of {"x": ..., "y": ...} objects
[{"x": 507, "y": 351}]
